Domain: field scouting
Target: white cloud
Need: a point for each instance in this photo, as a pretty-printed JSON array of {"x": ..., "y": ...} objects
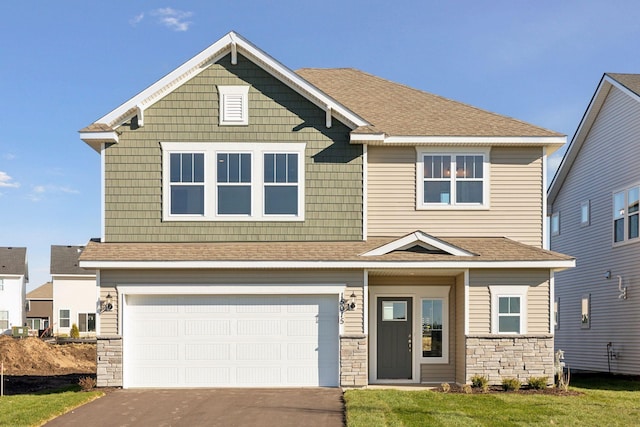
[
  {"x": 9, "y": 156},
  {"x": 136, "y": 19},
  {"x": 173, "y": 19},
  {"x": 39, "y": 191},
  {"x": 7, "y": 182}
]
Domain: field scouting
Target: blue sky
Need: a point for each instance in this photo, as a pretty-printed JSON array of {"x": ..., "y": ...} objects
[{"x": 64, "y": 64}]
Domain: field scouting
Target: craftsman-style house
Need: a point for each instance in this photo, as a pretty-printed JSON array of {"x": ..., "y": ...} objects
[{"x": 325, "y": 227}]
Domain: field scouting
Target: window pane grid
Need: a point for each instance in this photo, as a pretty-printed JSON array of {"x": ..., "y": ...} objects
[
  {"x": 441, "y": 186},
  {"x": 234, "y": 183}
]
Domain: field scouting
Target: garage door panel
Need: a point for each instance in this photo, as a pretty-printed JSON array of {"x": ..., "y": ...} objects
[{"x": 217, "y": 341}]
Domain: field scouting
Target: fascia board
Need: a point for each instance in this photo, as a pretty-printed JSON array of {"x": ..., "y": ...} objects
[
  {"x": 482, "y": 140},
  {"x": 253, "y": 265},
  {"x": 209, "y": 56}
]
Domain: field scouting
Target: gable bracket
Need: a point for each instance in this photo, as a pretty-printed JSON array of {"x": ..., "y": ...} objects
[
  {"x": 328, "y": 116},
  {"x": 140, "y": 113},
  {"x": 234, "y": 53}
]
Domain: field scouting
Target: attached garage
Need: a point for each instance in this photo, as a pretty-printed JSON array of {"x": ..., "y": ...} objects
[{"x": 230, "y": 340}]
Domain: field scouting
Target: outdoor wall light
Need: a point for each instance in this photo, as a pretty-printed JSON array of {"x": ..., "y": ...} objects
[
  {"x": 107, "y": 305},
  {"x": 348, "y": 305}
]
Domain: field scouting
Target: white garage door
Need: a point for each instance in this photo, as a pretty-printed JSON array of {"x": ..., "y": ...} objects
[{"x": 230, "y": 341}]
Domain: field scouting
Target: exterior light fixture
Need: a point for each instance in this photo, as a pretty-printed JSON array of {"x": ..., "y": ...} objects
[
  {"x": 346, "y": 305},
  {"x": 107, "y": 305}
]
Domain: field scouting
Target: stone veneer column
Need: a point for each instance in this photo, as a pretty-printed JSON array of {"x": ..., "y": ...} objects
[
  {"x": 353, "y": 360},
  {"x": 109, "y": 361},
  {"x": 498, "y": 356}
]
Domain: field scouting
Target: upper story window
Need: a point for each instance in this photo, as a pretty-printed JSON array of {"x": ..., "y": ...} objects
[
  {"x": 508, "y": 309},
  {"x": 585, "y": 213},
  {"x": 452, "y": 180},
  {"x": 233, "y": 182},
  {"x": 625, "y": 214},
  {"x": 555, "y": 223},
  {"x": 234, "y": 105}
]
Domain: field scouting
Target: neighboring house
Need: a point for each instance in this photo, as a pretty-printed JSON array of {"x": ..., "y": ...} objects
[
  {"x": 74, "y": 292},
  {"x": 14, "y": 276},
  {"x": 40, "y": 308},
  {"x": 593, "y": 203},
  {"x": 263, "y": 227}
]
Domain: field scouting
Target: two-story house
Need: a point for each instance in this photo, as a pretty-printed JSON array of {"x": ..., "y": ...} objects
[
  {"x": 74, "y": 292},
  {"x": 593, "y": 203},
  {"x": 326, "y": 227},
  {"x": 14, "y": 276}
]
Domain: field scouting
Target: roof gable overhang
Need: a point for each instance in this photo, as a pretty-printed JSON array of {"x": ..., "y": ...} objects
[
  {"x": 588, "y": 119},
  {"x": 552, "y": 143},
  {"x": 232, "y": 43},
  {"x": 418, "y": 238}
]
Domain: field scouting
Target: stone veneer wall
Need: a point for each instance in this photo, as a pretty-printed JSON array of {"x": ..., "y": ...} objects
[
  {"x": 521, "y": 357},
  {"x": 109, "y": 358},
  {"x": 353, "y": 361}
]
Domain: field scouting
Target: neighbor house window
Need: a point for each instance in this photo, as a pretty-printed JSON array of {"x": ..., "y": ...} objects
[
  {"x": 65, "y": 317},
  {"x": 233, "y": 182},
  {"x": 86, "y": 322},
  {"x": 625, "y": 214},
  {"x": 234, "y": 105},
  {"x": 585, "y": 309},
  {"x": 556, "y": 314},
  {"x": 4, "y": 320},
  {"x": 34, "y": 324},
  {"x": 432, "y": 327},
  {"x": 509, "y": 309},
  {"x": 452, "y": 180},
  {"x": 555, "y": 223},
  {"x": 585, "y": 214}
]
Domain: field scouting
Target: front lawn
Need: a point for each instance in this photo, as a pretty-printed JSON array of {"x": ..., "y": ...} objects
[
  {"x": 603, "y": 402},
  {"x": 38, "y": 408}
]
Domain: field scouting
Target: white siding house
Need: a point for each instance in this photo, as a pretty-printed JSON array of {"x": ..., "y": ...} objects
[
  {"x": 74, "y": 292},
  {"x": 14, "y": 275},
  {"x": 593, "y": 201}
]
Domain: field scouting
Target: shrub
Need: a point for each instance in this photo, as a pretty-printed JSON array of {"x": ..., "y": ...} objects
[
  {"x": 538, "y": 383},
  {"x": 75, "y": 332},
  {"x": 87, "y": 383},
  {"x": 466, "y": 388},
  {"x": 510, "y": 384},
  {"x": 445, "y": 387},
  {"x": 478, "y": 381}
]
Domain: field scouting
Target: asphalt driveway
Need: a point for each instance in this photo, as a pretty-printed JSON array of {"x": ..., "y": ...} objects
[{"x": 211, "y": 407}]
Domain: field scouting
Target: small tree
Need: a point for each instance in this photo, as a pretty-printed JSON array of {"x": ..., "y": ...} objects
[{"x": 75, "y": 332}]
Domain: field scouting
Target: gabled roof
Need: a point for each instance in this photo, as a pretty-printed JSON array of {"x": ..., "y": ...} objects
[
  {"x": 487, "y": 252},
  {"x": 419, "y": 239},
  {"x": 103, "y": 129},
  {"x": 628, "y": 84},
  {"x": 378, "y": 110},
  {"x": 64, "y": 260},
  {"x": 44, "y": 292},
  {"x": 399, "y": 113},
  {"x": 13, "y": 261}
]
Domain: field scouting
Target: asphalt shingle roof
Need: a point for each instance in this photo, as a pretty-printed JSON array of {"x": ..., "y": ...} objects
[
  {"x": 630, "y": 81},
  {"x": 13, "y": 260},
  {"x": 64, "y": 260},
  {"x": 42, "y": 292}
]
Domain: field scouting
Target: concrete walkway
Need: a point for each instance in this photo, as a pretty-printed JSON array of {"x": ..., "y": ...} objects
[{"x": 210, "y": 407}]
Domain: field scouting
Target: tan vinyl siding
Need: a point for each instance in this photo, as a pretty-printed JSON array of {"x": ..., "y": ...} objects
[
  {"x": 353, "y": 279},
  {"x": 515, "y": 197},
  {"x": 537, "y": 298},
  {"x": 109, "y": 319},
  {"x": 133, "y": 167},
  {"x": 460, "y": 342},
  {"x": 607, "y": 162}
]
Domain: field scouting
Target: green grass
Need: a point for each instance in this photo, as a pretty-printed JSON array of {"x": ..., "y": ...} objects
[
  {"x": 603, "y": 402},
  {"x": 38, "y": 408}
]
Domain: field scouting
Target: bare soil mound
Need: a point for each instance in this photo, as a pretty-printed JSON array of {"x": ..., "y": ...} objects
[{"x": 32, "y": 356}]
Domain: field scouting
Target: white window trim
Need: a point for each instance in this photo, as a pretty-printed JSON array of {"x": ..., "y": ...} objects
[
  {"x": 586, "y": 325},
  {"x": 60, "y": 318},
  {"x": 585, "y": 205},
  {"x": 556, "y": 314},
  {"x": 439, "y": 293},
  {"x": 210, "y": 150},
  {"x": 431, "y": 151},
  {"x": 242, "y": 91},
  {"x": 626, "y": 240},
  {"x": 509, "y": 291}
]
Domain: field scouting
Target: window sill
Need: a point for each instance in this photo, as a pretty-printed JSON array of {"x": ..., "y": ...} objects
[
  {"x": 243, "y": 218},
  {"x": 625, "y": 242},
  {"x": 452, "y": 207}
]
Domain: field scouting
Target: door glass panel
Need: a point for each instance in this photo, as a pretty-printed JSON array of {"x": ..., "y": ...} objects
[
  {"x": 394, "y": 311},
  {"x": 431, "y": 328}
]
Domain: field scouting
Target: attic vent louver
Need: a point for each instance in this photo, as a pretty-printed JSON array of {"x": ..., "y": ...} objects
[{"x": 234, "y": 105}]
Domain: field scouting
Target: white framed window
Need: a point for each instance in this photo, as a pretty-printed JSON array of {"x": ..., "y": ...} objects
[
  {"x": 509, "y": 309},
  {"x": 625, "y": 215},
  {"x": 234, "y": 105},
  {"x": 432, "y": 340},
  {"x": 585, "y": 311},
  {"x": 4, "y": 320},
  {"x": 555, "y": 223},
  {"x": 452, "y": 179},
  {"x": 233, "y": 181},
  {"x": 556, "y": 314},
  {"x": 86, "y": 322},
  {"x": 65, "y": 318},
  {"x": 585, "y": 213}
]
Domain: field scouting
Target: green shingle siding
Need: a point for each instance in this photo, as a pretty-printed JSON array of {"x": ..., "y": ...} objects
[{"x": 333, "y": 167}]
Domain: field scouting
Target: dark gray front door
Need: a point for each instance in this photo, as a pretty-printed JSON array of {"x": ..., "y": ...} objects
[{"x": 394, "y": 337}]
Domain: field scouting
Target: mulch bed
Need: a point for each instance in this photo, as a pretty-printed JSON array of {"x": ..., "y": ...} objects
[{"x": 524, "y": 390}]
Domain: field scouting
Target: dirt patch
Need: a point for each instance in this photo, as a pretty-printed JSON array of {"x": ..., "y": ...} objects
[{"x": 32, "y": 365}]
